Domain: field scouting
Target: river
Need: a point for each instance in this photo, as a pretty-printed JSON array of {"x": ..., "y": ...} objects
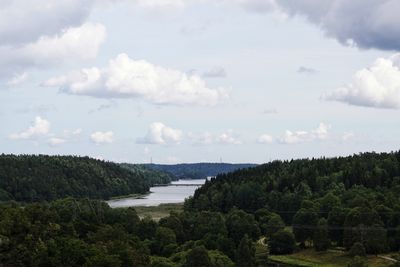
[{"x": 176, "y": 192}]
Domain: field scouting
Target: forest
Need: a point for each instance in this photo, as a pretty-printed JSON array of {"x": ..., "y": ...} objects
[
  {"x": 31, "y": 178},
  {"x": 197, "y": 170},
  {"x": 348, "y": 202},
  {"x": 239, "y": 219}
]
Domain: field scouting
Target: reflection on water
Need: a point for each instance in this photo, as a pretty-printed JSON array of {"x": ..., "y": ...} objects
[{"x": 176, "y": 192}]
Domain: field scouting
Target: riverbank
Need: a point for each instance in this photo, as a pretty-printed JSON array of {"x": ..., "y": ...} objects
[
  {"x": 312, "y": 258},
  {"x": 135, "y": 196},
  {"x": 158, "y": 212}
]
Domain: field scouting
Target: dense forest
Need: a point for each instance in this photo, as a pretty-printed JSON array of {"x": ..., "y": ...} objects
[
  {"x": 153, "y": 176},
  {"x": 198, "y": 170},
  {"x": 31, "y": 178},
  {"x": 236, "y": 219},
  {"x": 351, "y": 202}
]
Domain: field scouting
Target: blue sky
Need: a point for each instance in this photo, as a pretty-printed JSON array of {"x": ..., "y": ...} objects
[{"x": 190, "y": 81}]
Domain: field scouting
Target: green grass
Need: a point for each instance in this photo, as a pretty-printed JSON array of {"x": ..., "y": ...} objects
[
  {"x": 311, "y": 258},
  {"x": 158, "y": 212}
]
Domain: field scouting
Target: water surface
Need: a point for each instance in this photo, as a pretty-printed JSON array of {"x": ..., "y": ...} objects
[{"x": 176, "y": 192}]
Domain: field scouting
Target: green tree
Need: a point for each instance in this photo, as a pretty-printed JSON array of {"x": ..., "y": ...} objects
[
  {"x": 304, "y": 223},
  {"x": 198, "y": 257},
  {"x": 357, "y": 249},
  {"x": 282, "y": 242},
  {"x": 274, "y": 224},
  {"x": 245, "y": 253},
  {"x": 321, "y": 236}
]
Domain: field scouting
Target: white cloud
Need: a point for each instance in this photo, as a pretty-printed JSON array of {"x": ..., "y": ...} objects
[
  {"x": 347, "y": 136},
  {"x": 228, "y": 137},
  {"x": 17, "y": 79},
  {"x": 40, "y": 127},
  {"x": 71, "y": 45},
  {"x": 35, "y": 18},
  {"x": 295, "y": 137},
  {"x": 77, "y": 43},
  {"x": 54, "y": 141},
  {"x": 365, "y": 23},
  {"x": 161, "y": 4},
  {"x": 265, "y": 139},
  {"x": 77, "y": 131},
  {"x": 102, "y": 137},
  {"x": 127, "y": 78},
  {"x": 377, "y": 86},
  {"x": 159, "y": 133}
]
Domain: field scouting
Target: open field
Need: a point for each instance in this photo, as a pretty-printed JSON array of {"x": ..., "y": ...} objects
[
  {"x": 158, "y": 212},
  {"x": 311, "y": 258}
]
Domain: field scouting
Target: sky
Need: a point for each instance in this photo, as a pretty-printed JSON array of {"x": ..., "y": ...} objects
[{"x": 177, "y": 81}]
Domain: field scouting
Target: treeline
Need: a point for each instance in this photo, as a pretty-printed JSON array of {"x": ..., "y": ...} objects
[
  {"x": 88, "y": 233},
  {"x": 153, "y": 176},
  {"x": 351, "y": 202},
  {"x": 198, "y": 170},
  {"x": 31, "y": 178}
]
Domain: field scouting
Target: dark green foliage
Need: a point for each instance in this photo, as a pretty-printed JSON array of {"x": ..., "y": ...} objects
[
  {"x": 162, "y": 262},
  {"x": 321, "y": 236},
  {"x": 239, "y": 224},
  {"x": 245, "y": 254},
  {"x": 198, "y": 257},
  {"x": 304, "y": 224},
  {"x": 274, "y": 224},
  {"x": 218, "y": 259},
  {"x": 197, "y": 170},
  {"x": 153, "y": 176},
  {"x": 70, "y": 233},
  {"x": 282, "y": 242},
  {"x": 357, "y": 195},
  {"x": 357, "y": 249},
  {"x": 358, "y": 261},
  {"x": 31, "y": 178}
]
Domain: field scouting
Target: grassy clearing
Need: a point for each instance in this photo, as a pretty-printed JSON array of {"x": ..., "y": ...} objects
[
  {"x": 311, "y": 258},
  {"x": 158, "y": 212}
]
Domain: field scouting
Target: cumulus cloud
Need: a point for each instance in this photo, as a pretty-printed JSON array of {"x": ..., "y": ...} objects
[
  {"x": 40, "y": 127},
  {"x": 36, "y": 18},
  {"x": 159, "y": 133},
  {"x": 265, "y": 139},
  {"x": 301, "y": 136},
  {"x": 365, "y": 23},
  {"x": 128, "y": 78},
  {"x": 70, "y": 45},
  {"x": 229, "y": 138},
  {"x": 376, "y": 86},
  {"x": 102, "y": 137}
]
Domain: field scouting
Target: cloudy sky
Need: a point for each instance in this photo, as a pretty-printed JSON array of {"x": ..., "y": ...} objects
[{"x": 199, "y": 80}]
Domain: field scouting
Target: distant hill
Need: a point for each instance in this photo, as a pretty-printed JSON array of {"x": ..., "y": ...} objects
[
  {"x": 39, "y": 177},
  {"x": 198, "y": 170}
]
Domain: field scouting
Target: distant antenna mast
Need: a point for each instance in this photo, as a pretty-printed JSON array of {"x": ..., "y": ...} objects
[
  {"x": 220, "y": 160},
  {"x": 151, "y": 160}
]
